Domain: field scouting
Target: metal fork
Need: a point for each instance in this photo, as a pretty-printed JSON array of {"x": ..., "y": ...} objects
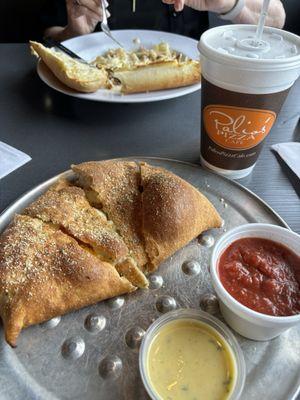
[{"x": 104, "y": 25}]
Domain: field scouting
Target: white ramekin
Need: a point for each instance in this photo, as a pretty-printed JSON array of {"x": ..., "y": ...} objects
[
  {"x": 249, "y": 323},
  {"x": 213, "y": 323}
]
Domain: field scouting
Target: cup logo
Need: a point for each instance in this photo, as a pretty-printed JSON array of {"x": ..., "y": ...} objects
[{"x": 237, "y": 128}]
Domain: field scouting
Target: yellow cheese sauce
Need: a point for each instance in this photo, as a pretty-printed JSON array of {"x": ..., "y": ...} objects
[{"x": 189, "y": 360}]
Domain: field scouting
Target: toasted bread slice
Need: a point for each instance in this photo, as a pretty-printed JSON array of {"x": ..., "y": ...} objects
[
  {"x": 158, "y": 76},
  {"x": 72, "y": 73},
  {"x": 149, "y": 69}
]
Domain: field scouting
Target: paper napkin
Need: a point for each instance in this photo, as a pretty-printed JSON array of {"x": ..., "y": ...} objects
[
  {"x": 290, "y": 153},
  {"x": 11, "y": 159}
]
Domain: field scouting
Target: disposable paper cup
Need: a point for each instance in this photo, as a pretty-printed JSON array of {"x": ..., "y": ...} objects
[
  {"x": 247, "y": 322},
  {"x": 243, "y": 89}
]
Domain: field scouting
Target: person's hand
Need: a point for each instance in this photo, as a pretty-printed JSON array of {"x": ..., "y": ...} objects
[
  {"x": 217, "y": 6},
  {"x": 83, "y": 16}
]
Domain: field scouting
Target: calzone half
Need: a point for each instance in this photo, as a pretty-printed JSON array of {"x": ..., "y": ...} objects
[{"x": 45, "y": 273}]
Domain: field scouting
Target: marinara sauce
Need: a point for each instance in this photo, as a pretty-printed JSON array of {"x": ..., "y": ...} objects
[{"x": 262, "y": 275}]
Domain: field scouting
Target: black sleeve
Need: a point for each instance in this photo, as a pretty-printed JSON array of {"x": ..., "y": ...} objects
[
  {"x": 189, "y": 22},
  {"x": 54, "y": 13},
  {"x": 153, "y": 14},
  {"x": 150, "y": 14}
]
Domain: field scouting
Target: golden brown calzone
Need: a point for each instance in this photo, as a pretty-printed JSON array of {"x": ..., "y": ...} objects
[
  {"x": 155, "y": 211},
  {"x": 45, "y": 273},
  {"x": 67, "y": 206},
  {"x": 174, "y": 213},
  {"x": 114, "y": 187},
  {"x": 65, "y": 254}
]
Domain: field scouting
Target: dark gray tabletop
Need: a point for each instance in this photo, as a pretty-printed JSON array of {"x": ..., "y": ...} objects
[{"x": 57, "y": 130}]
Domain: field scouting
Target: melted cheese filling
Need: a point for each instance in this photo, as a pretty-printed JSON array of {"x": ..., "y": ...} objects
[{"x": 119, "y": 59}]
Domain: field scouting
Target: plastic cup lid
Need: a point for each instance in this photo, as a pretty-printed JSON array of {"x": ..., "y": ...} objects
[{"x": 235, "y": 45}]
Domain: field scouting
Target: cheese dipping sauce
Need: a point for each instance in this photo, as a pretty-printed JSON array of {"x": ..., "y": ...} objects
[{"x": 189, "y": 360}]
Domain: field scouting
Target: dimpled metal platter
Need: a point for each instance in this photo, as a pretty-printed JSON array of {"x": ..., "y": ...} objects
[{"x": 93, "y": 353}]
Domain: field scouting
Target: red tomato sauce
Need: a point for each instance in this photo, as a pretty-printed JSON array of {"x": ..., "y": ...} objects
[{"x": 262, "y": 275}]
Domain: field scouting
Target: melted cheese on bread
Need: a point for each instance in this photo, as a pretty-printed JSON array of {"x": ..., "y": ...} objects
[{"x": 119, "y": 59}]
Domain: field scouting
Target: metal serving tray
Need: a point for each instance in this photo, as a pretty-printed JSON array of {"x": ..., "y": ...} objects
[{"x": 93, "y": 353}]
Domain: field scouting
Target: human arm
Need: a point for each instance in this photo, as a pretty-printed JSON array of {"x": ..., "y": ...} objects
[
  {"x": 249, "y": 14},
  {"x": 83, "y": 16}
]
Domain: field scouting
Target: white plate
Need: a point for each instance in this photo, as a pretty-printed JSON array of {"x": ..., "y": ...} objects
[{"x": 94, "y": 44}]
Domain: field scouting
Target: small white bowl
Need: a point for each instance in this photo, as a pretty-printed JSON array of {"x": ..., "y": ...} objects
[
  {"x": 247, "y": 322},
  {"x": 212, "y": 322}
]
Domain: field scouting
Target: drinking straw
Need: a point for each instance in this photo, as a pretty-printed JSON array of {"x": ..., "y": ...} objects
[{"x": 261, "y": 22}]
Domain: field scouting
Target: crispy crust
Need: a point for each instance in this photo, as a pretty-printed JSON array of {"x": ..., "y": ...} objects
[
  {"x": 68, "y": 73},
  {"x": 45, "y": 273},
  {"x": 174, "y": 213},
  {"x": 159, "y": 76},
  {"x": 67, "y": 207},
  {"x": 113, "y": 186},
  {"x": 163, "y": 218},
  {"x": 129, "y": 269}
]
